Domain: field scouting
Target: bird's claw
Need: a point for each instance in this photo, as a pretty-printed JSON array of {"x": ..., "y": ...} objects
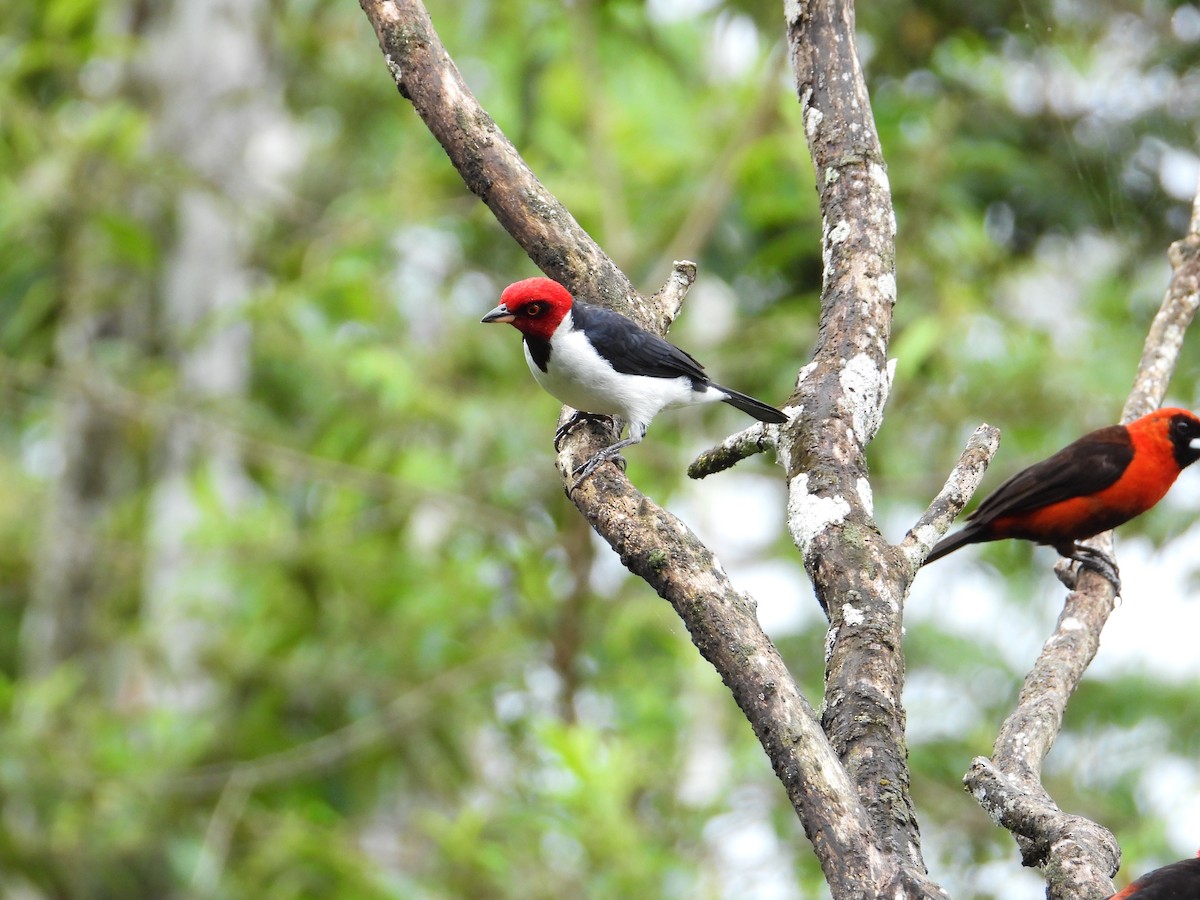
[
  {"x": 568, "y": 426},
  {"x": 581, "y": 474},
  {"x": 1089, "y": 558}
]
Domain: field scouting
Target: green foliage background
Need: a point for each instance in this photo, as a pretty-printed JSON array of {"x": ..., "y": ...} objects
[{"x": 431, "y": 681}]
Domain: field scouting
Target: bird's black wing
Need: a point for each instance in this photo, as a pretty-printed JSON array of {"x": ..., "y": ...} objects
[
  {"x": 1178, "y": 880},
  {"x": 1089, "y": 465},
  {"x": 631, "y": 349}
]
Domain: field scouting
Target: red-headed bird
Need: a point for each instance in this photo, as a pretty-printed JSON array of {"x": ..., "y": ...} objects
[
  {"x": 601, "y": 363},
  {"x": 1178, "y": 881},
  {"x": 1099, "y": 482}
]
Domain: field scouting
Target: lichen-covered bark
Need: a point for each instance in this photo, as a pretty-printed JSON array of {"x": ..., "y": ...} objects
[{"x": 859, "y": 578}]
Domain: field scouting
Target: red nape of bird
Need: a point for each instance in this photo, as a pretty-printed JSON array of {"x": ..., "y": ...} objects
[
  {"x": 1178, "y": 881},
  {"x": 601, "y": 363},
  {"x": 1102, "y": 480}
]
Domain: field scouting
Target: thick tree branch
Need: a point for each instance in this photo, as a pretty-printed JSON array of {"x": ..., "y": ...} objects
[
  {"x": 1079, "y": 857},
  {"x": 650, "y": 541},
  {"x": 860, "y": 580}
]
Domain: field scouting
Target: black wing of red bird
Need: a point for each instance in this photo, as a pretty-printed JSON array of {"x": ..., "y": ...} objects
[
  {"x": 633, "y": 350},
  {"x": 1178, "y": 881},
  {"x": 1080, "y": 469}
]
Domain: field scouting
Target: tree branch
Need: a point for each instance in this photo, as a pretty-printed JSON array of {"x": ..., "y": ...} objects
[
  {"x": 860, "y": 580},
  {"x": 748, "y": 442},
  {"x": 962, "y": 484},
  {"x": 1079, "y": 857}
]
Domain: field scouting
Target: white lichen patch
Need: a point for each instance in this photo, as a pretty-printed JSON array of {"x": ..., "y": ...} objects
[
  {"x": 878, "y": 174},
  {"x": 804, "y": 372},
  {"x": 838, "y": 232},
  {"x": 1070, "y": 623},
  {"x": 862, "y": 380},
  {"x": 887, "y": 287},
  {"x": 852, "y": 615},
  {"x": 812, "y": 121},
  {"x": 926, "y": 535},
  {"x": 809, "y": 515},
  {"x": 863, "y": 487}
]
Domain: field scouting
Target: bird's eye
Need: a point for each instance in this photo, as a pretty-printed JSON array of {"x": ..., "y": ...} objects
[
  {"x": 533, "y": 309},
  {"x": 1184, "y": 427}
]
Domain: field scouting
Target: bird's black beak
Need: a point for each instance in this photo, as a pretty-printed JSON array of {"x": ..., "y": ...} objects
[{"x": 499, "y": 314}]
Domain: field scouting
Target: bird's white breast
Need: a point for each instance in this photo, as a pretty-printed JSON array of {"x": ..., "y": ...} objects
[{"x": 580, "y": 377}]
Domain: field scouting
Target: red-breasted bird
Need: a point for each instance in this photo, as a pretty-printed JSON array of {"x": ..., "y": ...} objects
[
  {"x": 1178, "y": 881},
  {"x": 1100, "y": 481},
  {"x": 601, "y": 363}
]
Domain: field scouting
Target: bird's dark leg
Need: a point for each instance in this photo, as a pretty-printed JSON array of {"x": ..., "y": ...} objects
[
  {"x": 577, "y": 419},
  {"x": 637, "y": 431},
  {"x": 607, "y": 453},
  {"x": 1096, "y": 560}
]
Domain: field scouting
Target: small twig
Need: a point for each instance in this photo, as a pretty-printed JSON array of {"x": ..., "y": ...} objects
[
  {"x": 669, "y": 298},
  {"x": 218, "y": 837},
  {"x": 758, "y": 438},
  {"x": 962, "y": 484}
]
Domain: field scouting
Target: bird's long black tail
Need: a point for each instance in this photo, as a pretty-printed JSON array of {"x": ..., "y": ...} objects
[
  {"x": 968, "y": 535},
  {"x": 751, "y": 407}
]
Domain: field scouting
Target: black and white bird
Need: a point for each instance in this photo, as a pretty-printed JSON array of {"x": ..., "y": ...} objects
[{"x": 601, "y": 363}]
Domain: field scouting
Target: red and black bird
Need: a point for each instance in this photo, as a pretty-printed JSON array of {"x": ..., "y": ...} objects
[
  {"x": 1178, "y": 881},
  {"x": 1100, "y": 481}
]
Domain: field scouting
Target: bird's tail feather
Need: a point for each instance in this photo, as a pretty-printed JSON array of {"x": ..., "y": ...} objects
[
  {"x": 751, "y": 407},
  {"x": 967, "y": 535}
]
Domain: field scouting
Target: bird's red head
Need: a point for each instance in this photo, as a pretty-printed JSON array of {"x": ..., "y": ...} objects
[
  {"x": 535, "y": 307},
  {"x": 1171, "y": 427}
]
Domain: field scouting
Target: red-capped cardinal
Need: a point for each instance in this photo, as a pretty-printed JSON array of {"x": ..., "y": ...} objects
[{"x": 600, "y": 362}]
